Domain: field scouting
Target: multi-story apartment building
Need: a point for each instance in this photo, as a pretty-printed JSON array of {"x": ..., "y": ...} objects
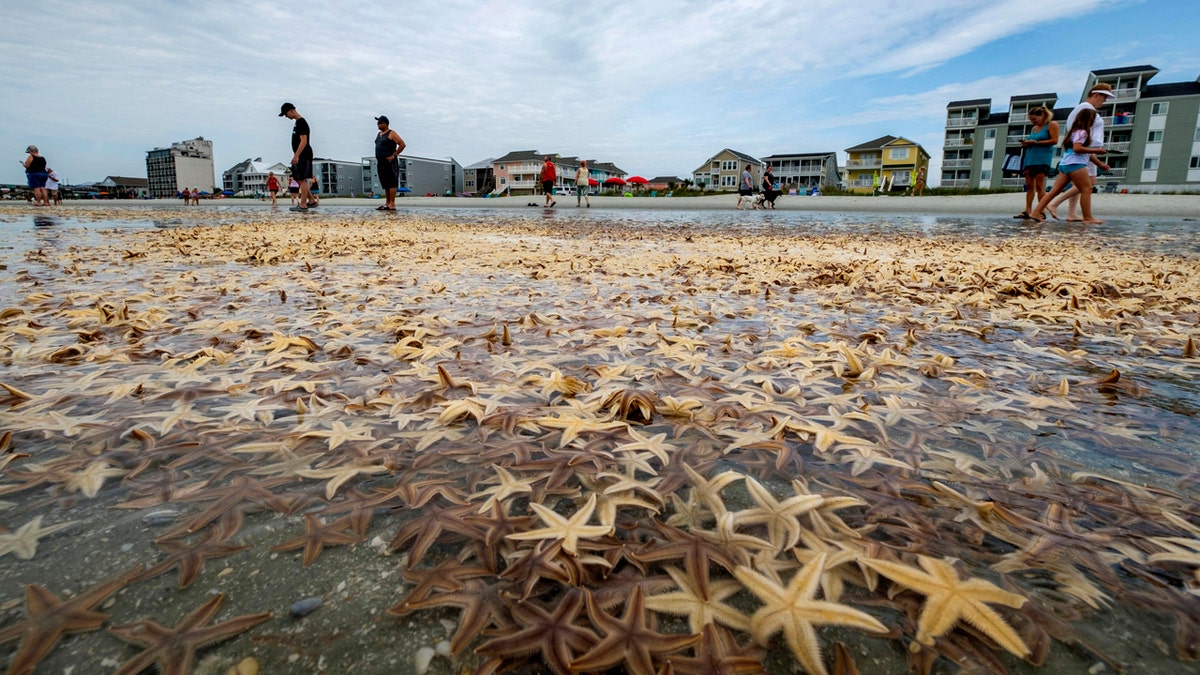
[
  {"x": 185, "y": 164},
  {"x": 888, "y": 163},
  {"x": 723, "y": 171},
  {"x": 804, "y": 170},
  {"x": 1152, "y": 133},
  {"x": 418, "y": 176},
  {"x": 338, "y": 178},
  {"x": 478, "y": 178}
]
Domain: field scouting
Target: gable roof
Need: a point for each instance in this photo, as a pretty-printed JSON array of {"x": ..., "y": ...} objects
[
  {"x": 520, "y": 155},
  {"x": 481, "y": 164},
  {"x": 873, "y": 145},
  {"x": 1125, "y": 69},
  {"x": 126, "y": 181},
  {"x": 742, "y": 156}
]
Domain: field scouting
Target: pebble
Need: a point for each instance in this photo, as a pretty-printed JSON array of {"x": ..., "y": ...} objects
[
  {"x": 422, "y": 660},
  {"x": 306, "y": 606},
  {"x": 247, "y": 666}
]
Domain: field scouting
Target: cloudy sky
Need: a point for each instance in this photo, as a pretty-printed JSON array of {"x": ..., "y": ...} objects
[{"x": 656, "y": 87}]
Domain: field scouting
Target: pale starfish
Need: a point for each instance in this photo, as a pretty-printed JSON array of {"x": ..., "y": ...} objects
[
  {"x": 570, "y": 531},
  {"x": 23, "y": 543}
]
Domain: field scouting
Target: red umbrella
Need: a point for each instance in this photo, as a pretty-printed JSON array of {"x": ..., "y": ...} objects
[
  {"x": 592, "y": 182},
  {"x": 637, "y": 180},
  {"x": 615, "y": 180}
]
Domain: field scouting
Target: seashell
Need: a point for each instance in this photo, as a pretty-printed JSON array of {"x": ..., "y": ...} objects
[{"x": 422, "y": 660}]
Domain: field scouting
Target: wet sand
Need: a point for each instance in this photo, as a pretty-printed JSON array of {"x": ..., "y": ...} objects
[{"x": 790, "y": 403}]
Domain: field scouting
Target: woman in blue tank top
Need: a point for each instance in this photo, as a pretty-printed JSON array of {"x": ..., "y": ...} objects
[{"x": 1039, "y": 152}]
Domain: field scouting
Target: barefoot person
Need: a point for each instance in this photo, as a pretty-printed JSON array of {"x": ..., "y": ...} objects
[
  {"x": 302, "y": 155},
  {"x": 1100, "y": 92},
  {"x": 745, "y": 186},
  {"x": 272, "y": 187},
  {"x": 582, "y": 186},
  {"x": 548, "y": 177},
  {"x": 388, "y": 146},
  {"x": 1039, "y": 151},
  {"x": 36, "y": 175},
  {"x": 1079, "y": 153}
]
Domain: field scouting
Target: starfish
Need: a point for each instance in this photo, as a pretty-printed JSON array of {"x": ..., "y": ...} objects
[
  {"x": 949, "y": 599},
  {"x": 629, "y": 639},
  {"x": 317, "y": 535},
  {"x": 793, "y": 610},
  {"x": 508, "y": 487},
  {"x": 173, "y": 650},
  {"x": 90, "y": 480},
  {"x": 190, "y": 557},
  {"x": 779, "y": 517},
  {"x": 338, "y": 475},
  {"x": 427, "y": 527},
  {"x": 48, "y": 619},
  {"x": 554, "y": 634},
  {"x": 23, "y": 543},
  {"x": 483, "y": 603},
  {"x": 701, "y": 607},
  {"x": 718, "y": 652},
  {"x": 570, "y": 531}
]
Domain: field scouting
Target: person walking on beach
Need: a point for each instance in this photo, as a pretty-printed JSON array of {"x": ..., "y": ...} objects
[
  {"x": 919, "y": 188},
  {"x": 582, "y": 186},
  {"x": 746, "y": 186},
  {"x": 1080, "y": 152},
  {"x": 302, "y": 155},
  {"x": 195, "y": 196},
  {"x": 36, "y": 176},
  {"x": 294, "y": 191},
  {"x": 1039, "y": 151},
  {"x": 1100, "y": 92},
  {"x": 272, "y": 188},
  {"x": 548, "y": 177},
  {"x": 388, "y": 146},
  {"x": 52, "y": 186},
  {"x": 770, "y": 193}
]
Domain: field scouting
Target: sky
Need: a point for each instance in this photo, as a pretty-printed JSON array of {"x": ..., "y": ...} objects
[{"x": 656, "y": 87}]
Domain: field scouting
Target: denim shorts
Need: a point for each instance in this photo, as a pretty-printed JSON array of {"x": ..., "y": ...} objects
[{"x": 37, "y": 179}]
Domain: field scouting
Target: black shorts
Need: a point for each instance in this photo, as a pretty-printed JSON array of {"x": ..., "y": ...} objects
[
  {"x": 303, "y": 170},
  {"x": 389, "y": 173},
  {"x": 1036, "y": 170},
  {"x": 547, "y": 187},
  {"x": 746, "y": 192}
]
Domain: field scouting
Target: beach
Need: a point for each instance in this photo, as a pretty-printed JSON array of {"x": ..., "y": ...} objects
[{"x": 452, "y": 439}]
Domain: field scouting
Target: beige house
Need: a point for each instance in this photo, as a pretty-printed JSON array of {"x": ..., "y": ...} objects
[{"x": 723, "y": 170}]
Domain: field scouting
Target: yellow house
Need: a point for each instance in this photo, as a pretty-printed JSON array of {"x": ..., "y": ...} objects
[{"x": 888, "y": 163}]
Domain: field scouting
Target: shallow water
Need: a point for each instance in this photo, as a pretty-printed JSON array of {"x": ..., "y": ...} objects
[{"x": 974, "y": 417}]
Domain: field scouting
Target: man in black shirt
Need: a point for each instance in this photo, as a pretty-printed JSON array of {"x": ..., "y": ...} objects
[{"x": 302, "y": 156}]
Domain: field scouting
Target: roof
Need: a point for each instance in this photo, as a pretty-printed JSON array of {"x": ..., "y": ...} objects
[
  {"x": 873, "y": 145},
  {"x": 994, "y": 119},
  {"x": 520, "y": 155},
  {"x": 788, "y": 155},
  {"x": 1035, "y": 97},
  {"x": 481, "y": 164},
  {"x": 1125, "y": 69},
  {"x": 127, "y": 181},
  {"x": 666, "y": 179},
  {"x": 742, "y": 156},
  {"x": 607, "y": 167},
  {"x": 970, "y": 103},
  {"x": 1171, "y": 89}
]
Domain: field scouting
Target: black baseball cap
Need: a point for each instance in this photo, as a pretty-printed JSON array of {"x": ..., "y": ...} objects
[
  {"x": 283, "y": 109},
  {"x": 382, "y": 118}
]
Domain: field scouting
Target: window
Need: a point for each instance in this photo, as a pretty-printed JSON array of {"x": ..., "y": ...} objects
[
  {"x": 1150, "y": 163},
  {"x": 1154, "y": 136},
  {"x": 1196, "y": 137},
  {"x": 985, "y": 175},
  {"x": 501, "y": 167},
  {"x": 1195, "y": 163},
  {"x": 989, "y": 133},
  {"x": 988, "y": 154},
  {"x": 729, "y": 165},
  {"x": 1158, "y": 108},
  {"x": 728, "y": 181},
  {"x": 898, "y": 153}
]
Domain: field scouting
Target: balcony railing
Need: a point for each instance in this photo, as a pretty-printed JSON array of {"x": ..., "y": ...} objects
[
  {"x": 1119, "y": 146},
  {"x": 957, "y": 143},
  {"x": 864, "y": 163},
  {"x": 1126, "y": 94},
  {"x": 956, "y": 182},
  {"x": 862, "y": 182},
  {"x": 961, "y": 122},
  {"x": 1015, "y": 140},
  {"x": 954, "y": 163},
  {"x": 1012, "y": 182},
  {"x": 1113, "y": 121},
  {"x": 1113, "y": 173}
]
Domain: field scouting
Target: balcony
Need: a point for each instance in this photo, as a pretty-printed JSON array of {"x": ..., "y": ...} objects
[
  {"x": 1125, "y": 94},
  {"x": 961, "y": 122},
  {"x": 955, "y": 163},
  {"x": 958, "y": 143},
  {"x": 956, "y": 182},
  {"x": 1015, "y": 140},
  {"x": 865, "y": 163},
  {"x": 1118, "y": 172},
  {"x": 862, "y": 183},
  {"x": 1113, "y": 121},
  {"x": 1119, "y": 146},
  {"x": 1012, "y": 182}
]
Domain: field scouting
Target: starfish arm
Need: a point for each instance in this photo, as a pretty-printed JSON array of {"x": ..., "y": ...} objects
[{"x": 994, "y": 626}]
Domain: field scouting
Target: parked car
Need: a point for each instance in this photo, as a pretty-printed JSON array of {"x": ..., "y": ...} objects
[{"x": 564, "y": 189}]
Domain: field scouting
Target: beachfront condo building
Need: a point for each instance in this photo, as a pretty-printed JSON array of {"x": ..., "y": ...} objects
[
  {"x": 886, "y": 164},
  {"x": 418, "y": 176},
  {"x": 478, "y": 178},
  {"x": 249, "y": 177},
  {"x": 1152, "y": 133},
  {"x": 519, "y": 172},
  {"x": 799, "y": 171},
  {"x": 186, "y": 164},
  {"x": 723, "y": 171}
]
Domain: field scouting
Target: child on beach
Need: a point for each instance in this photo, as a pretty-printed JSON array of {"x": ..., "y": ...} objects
[{"x": 1072, "y": 168}]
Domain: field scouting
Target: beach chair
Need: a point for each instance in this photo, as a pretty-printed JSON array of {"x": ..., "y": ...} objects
[
  {"x": 654, "y": 193},
  {"x": 1111, "y": 187}
]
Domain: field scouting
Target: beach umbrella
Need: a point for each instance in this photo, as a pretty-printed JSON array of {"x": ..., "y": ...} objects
[
  {"x": 227, "y": 193},
  {"x": 205, "y": 193},
  {"x": 636, "y": 180},
  {"x": 615, "y": 180},
  {"x": 592, "y": 182}
]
